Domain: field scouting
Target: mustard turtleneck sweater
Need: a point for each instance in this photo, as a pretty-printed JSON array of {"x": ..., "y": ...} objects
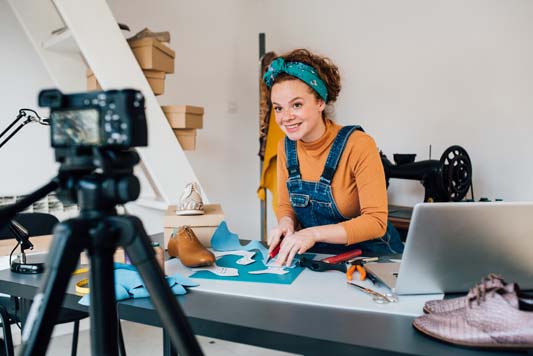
[{"x": 358, "y": 186}]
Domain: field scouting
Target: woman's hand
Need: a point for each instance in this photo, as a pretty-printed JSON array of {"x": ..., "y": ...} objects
[
  {"x": 296, "y": 243},
  {"x": 285, "y": 227}
]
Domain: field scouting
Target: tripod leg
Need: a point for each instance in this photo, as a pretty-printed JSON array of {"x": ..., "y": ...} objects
[
  {"x": 69, "y": 240},
  {"x": 136, "y": 242},
  {"x": 103, "y": 309},
  {"x": 6, "y": 330}
]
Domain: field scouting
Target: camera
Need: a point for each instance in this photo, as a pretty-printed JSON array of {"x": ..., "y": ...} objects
[{"x": 106, "y": 119}]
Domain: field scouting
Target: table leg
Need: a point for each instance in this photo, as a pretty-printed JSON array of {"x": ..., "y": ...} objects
[
  {"x": 25, "y": 305},
  {"x": 168, "y": 348},
  {"x": 121, "y": 346}
]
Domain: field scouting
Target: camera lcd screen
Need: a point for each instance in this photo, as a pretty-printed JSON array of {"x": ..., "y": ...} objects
[{"x": 75, "y": 127}]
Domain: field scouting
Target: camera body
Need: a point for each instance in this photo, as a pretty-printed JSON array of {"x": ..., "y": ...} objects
[{"x": 105, "y": 119}]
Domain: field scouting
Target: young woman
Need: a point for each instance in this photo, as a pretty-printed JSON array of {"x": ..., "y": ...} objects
[{"x": 332, "y": 190}]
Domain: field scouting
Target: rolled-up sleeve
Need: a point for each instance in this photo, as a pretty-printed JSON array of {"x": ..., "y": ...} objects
[{"x": 372, "y": 191}]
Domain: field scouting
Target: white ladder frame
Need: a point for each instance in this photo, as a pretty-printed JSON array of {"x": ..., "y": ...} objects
[{"x": 95, "y": 35}]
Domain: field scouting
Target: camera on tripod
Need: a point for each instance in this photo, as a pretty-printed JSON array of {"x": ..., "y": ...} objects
[
  {"x": 93, "y": 135},
  {"x": 109, "y": 119}
]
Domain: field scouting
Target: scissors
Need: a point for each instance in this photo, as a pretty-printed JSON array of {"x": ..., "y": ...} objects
[{"x": 376, "y": 296}]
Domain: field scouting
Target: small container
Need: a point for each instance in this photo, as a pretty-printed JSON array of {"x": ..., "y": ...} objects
[{"x": 159, "y": 255}]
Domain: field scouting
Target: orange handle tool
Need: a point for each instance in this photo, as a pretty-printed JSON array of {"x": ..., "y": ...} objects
[
  {"x": 349, "y": 272},
  {"x": 362, "y": 272}
]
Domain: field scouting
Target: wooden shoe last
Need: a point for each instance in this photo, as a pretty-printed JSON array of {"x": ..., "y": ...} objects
[{"x": 186, "y": 246}]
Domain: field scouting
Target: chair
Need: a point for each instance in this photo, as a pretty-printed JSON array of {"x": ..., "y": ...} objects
[{"x": 37, "y": 224}]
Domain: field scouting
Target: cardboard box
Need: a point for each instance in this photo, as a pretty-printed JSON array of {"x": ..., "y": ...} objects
[
  {"x": 212, "y": 216},
  {"x": 92, "y": 82},
  {"x": 119, "y": 257},
  {"x": 203, "y": 225},
  {"x": 186, "y": 138},
  {"x": 156, "y": 79},
  {"x": 184, "y": 116},
  {"x": 152, "y": 54}
]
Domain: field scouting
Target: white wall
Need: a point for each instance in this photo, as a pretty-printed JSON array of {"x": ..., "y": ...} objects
[
  {"x": 420, "y": 72},
  {"x": 415, "y": 73},
  {"x": 27, "y": 161},
  {"x": 216, "y": 44}
]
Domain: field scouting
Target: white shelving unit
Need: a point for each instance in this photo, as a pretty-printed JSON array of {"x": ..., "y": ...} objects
[
  {"x": 62, "y": 42},
  {"x": 104, "y": 49}
]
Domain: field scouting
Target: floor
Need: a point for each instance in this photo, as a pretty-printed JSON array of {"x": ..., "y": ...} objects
[{"x": 146, "y": 340}]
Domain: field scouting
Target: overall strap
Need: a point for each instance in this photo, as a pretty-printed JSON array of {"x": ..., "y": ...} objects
[
  {"x": 292, "y": 159},
  {"x": 336, "y": 151}
]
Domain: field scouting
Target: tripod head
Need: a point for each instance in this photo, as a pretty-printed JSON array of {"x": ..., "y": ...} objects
[
  {"x": 93, "y": 135},
  {"x": 97, "y": 191}
]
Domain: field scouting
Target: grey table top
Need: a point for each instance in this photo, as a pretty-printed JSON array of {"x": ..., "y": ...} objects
[{"x": 275, "y": 322}]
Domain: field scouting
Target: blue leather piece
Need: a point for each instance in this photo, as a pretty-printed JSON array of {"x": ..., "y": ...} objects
[
  {"x": 244, "y": 276},
  {"x": 129, "y": 284},
  {"x": 225, "y": 240}
]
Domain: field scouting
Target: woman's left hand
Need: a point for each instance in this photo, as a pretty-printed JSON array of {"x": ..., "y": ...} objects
[{"x": 296, "y": 243}]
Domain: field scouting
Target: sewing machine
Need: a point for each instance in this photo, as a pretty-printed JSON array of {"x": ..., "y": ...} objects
[{"x": 447, "y": 179}]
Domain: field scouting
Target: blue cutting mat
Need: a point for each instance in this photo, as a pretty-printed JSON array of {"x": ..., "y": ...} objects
[{"x": 244, "y": 276}]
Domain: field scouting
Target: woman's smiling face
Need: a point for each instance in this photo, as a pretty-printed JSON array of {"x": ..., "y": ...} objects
[{"x": 298, "y": 111}]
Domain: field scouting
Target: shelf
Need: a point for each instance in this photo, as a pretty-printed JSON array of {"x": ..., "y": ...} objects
[
  {"x": 152, "y": 203},
  {"x": 93, "y": 47},
  {"x": 63, "y": 42}
]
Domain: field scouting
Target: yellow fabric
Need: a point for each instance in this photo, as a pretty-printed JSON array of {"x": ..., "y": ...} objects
[
  {"x": 81, "y": 286},
  {"x": 268, "y": 173}
]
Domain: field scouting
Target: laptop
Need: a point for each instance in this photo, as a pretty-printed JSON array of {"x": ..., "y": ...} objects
[{"x": 450, "y": 247}]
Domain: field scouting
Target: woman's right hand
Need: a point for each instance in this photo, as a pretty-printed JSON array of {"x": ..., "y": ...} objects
[{"x": 285, "y": 227}]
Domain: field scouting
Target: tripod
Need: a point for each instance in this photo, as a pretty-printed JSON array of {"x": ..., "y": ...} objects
[{"x": 99, "y": 230}]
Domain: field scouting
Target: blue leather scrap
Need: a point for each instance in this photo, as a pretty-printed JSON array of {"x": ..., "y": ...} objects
[
  {"x": 129, "y": 284},
  {"x": 225, "y": 240}
]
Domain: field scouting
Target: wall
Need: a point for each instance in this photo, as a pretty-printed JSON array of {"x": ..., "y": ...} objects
[
  {"x": 27, "y": 160},
  {"x": 217, "y": 68},
  {"x": 415, "y": 73},
  {"x": 419, "y": 73}
]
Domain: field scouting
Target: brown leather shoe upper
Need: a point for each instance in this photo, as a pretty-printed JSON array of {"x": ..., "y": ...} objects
[{"x": 185, "y": 245}]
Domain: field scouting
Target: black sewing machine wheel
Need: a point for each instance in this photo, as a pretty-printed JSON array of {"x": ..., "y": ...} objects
[{"x": 456, "y": 172}]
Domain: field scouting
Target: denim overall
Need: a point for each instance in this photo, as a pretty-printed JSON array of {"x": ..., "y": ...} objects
[{"x": 313, "y": 202}]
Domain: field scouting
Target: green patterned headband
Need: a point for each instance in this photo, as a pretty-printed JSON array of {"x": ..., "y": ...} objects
[{"x": 302, "y": 71}]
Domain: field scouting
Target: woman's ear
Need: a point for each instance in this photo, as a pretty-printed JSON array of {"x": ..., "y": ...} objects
[{"x": 321, "y": 105}]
